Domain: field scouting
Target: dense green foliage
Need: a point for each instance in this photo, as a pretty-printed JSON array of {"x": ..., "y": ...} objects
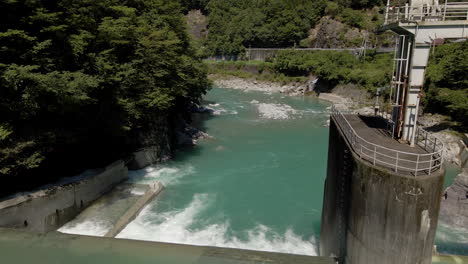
[
  {"x": 334, "y": 67},
  {"x": 337, "y": 67},
  {"x": 447, "y": 82},
  {"x": 357, "y": 18},
  {"x": 258, "y": 70},
  {"x": 235, "y": 24},
  {"x": 89, "y": 75},
  {"x": 188, "y": 5}
]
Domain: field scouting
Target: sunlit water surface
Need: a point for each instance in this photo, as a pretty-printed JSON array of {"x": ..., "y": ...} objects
[{"x": 258, "y": 184}]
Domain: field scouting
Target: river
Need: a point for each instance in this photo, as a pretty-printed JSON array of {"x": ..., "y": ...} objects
[{"x": 257, "y": 184}]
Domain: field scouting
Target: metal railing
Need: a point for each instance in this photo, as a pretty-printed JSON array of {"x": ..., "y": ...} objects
[
  {"x": 443, "y": 12},
  {"x": 398, "y": 161}
]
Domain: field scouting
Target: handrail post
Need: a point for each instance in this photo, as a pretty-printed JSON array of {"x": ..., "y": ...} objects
[
  {"x": 396, "y": 162},
  {"x": 375, "y": 153},
  {"x": 417, "y": 167},
  {"x": 430, "y": 166},
  {"x": 418, "y": 130},
  {"x": 425, "y": 141}
]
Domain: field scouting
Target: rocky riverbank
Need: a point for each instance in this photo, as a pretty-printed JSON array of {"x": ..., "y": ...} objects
[
  {"x": 343, "y": 94},
  {"x": 454, "y": 205},
  {"x": 292, "y": 89}
]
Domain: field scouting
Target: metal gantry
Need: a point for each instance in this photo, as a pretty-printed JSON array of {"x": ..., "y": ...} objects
[{"x": 418, "y": 24}]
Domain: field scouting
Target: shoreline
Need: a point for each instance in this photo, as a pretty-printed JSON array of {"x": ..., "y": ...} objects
[
  {"x": 291, "y": 89},
  {"x": 453, "y": 154}
]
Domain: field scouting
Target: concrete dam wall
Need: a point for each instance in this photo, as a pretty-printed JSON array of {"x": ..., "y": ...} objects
[
  {"x": 48, "y": 209},
  {"x": 374, "y": 215}
]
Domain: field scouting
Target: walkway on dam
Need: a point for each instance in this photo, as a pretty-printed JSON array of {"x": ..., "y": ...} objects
[{"x": 369, "y": 139}]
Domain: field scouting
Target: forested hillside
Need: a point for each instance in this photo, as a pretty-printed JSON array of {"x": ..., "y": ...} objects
[
  {"x": 234, "y": 25},
  {"x": 82, "y": 80},
  {"x": 447, "y": 82}
]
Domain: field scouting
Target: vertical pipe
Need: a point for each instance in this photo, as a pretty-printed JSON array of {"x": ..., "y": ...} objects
[
  {"x": 392, "y": 82},
  {"x": 386, "y": 12},
  {"x": 398, "y": 14},
  {"x": 407, "y": 88},
  {"x": 415, "y": 122},
  {"x": 445, "y": 10},
  {"x": 407, "y": 14}
]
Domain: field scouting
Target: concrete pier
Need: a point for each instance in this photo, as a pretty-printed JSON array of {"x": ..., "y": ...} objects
[
  {"x": 136, "y": 208},
  {"x": 378, "y": 209}
]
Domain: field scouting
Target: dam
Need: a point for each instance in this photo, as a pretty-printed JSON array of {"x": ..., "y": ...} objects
[
  {"x": 230, "y": 210},
  {"x": 257, "y": 185}
]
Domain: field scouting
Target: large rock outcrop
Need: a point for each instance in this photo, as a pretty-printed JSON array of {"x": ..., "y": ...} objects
[
  {"x": 330, "y": 33},
  {"x": 454, "y": 206},
  {"x": 155, "y": 141}
]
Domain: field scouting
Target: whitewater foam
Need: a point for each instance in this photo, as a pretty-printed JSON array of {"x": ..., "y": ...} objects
[
  {"x": 167, "y": 175},
  {"x": 275, "y": 111},
  {"x": 447, "y": 233},
  {"x": 176, "y": 227},
  {"x": 283, "y": 111},
  {"x": 222, "y": 111},
  {"x": 137, "y": 192},
  {"x": 217, "y": 110},
  {"x": 90, "y": 227}
]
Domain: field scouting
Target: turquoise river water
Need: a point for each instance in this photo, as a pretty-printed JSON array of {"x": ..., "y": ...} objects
[{"x": 257, "y": 184}]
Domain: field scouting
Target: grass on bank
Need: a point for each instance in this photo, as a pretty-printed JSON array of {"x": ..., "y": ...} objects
[
  {"x": 334, "y": 67},
  {"x": 254, "y": 70},
  {"x": 446, "y": 90}
]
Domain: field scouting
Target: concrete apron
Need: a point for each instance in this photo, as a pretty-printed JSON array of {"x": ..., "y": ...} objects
[
  {"x": 449, "y": 259},
  {"x": 55, "y": 247},
  {"x": 100, "y": 194}
]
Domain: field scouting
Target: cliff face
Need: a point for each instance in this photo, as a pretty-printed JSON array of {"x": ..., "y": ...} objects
[
  {"x": 155, "y": 141},
  {"x": 165, "y": 133},
  {"x": 454, "y": 206},
  {"x": 330, "y": 33},
  {"x": 197, "y": 24}
]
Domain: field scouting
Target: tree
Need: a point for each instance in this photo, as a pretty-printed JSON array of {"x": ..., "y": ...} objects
[{"x": 81, "y": 75}]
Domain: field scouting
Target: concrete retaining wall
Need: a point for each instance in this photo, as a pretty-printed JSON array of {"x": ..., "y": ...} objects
[
  {"x": 373, "y": 215},
  {"x": 47, "y": 210},
  {"x": 146, "y": 157}
]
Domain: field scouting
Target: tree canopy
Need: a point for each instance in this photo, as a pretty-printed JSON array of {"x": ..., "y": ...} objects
[
  {"x": 234, "y": 24},
  {"x": 77, "y": 74},
  {"x": 447, "y": 82}
]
